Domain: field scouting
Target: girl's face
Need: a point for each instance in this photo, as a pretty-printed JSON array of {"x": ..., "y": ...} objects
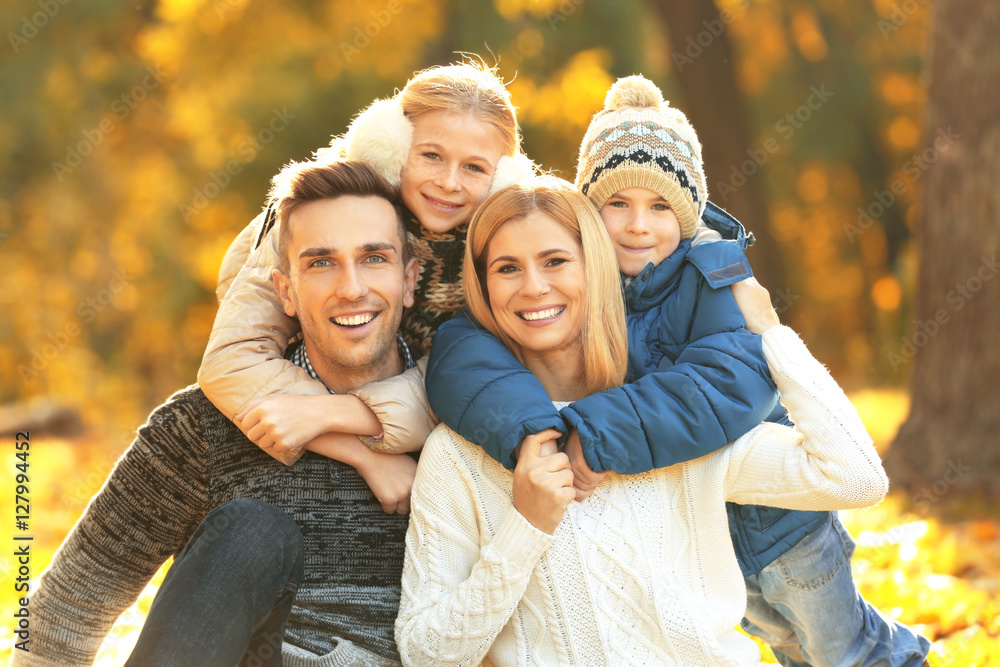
[
  {"x": 643, "y": 228},
  {"x": 450, "y": 168},
  {"x": 536, "y": 283}
]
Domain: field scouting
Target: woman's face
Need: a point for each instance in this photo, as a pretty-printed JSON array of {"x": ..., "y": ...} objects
[
  {"x": 643, "y": 228},
  {"x": 536, "y": 282},
  {"x": 449, "y": 169}
]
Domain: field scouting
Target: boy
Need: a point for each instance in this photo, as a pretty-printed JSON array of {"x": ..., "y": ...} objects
[{"x": 700, "y": 382}]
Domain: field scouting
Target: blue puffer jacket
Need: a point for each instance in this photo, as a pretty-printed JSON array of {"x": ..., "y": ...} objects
[{"x": 700, "y": 381}]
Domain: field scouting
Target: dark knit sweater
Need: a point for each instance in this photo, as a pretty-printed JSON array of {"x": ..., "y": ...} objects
[
  {"x": 439, "y": 294},
  {"x": 158, "y": 493}
]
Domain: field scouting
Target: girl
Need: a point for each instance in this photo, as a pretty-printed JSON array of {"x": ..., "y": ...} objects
[
  {"x": 444, "y": 140},
  {"x": 499, "y": 565}
]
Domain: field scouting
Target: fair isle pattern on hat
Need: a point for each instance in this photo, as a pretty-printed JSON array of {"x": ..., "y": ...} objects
[
  {"x": 638, "y": 140},
  {"x": 642, "y": 152}
]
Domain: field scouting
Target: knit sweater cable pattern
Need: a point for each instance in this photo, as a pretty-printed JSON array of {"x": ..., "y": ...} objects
[{"x": 641, "y": 573}]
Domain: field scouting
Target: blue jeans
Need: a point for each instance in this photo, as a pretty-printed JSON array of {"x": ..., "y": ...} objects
[
  {"x": 806, "y": 607},
  {"x": 227, "y": 597}
]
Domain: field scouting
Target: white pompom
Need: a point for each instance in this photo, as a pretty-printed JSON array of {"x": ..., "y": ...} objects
[
  {"x": 512, "y": 170},
  {"x": 381, "y": 136}
]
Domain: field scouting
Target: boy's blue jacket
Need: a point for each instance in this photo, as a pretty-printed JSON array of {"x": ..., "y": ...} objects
[{"x": 699, "y": 380}]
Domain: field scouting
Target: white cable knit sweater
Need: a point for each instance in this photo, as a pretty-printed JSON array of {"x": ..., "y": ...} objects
[{"x": 641, "y": 573}]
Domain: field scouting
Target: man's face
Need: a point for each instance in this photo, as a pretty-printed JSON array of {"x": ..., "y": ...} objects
[{"x": 347, "y": 282}]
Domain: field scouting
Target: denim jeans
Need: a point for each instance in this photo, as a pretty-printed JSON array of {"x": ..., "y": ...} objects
[
  {"x": 227, "y": 597},
  {"x": 806, "y": 607}
]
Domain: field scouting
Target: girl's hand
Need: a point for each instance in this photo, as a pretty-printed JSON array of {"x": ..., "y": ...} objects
[
  {"x": 282, "y": 424},
  {"x": 543, "y": 481},
  {"x": 390, "y": 477},
  {"x": 755, "y": 303}
]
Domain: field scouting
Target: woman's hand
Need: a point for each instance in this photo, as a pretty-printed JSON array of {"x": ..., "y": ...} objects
[
  {"x": 585, "y": 480},
  {"x": 755, "y": 303},
  {"x": 543, "y": 481}
]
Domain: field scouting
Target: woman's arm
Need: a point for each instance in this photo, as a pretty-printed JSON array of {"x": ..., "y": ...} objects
[
  {"x": 459, "y": 591},
  {"x": 826, "y": 462}
]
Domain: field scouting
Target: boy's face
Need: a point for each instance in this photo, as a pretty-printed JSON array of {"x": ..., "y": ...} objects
[{"x": 642, "y": 227}]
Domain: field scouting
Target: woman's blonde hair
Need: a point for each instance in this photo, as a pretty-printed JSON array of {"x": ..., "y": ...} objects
[
  {"x": 470, "y": 87},
  {"x": 605, "y": 338}
]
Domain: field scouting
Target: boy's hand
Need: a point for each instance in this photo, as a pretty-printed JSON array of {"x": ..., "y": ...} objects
[
  {"x": 543, "y": 481},
  {"x": 282, "y": 424},
  {"x": 585, "y": 480},
  {"x": 390, "y": 477},
  {"x": 755, "y": 303}
]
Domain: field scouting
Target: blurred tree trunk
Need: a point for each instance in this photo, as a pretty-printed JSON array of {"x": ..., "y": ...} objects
[
  {"x": 716, "y": 108},
  {"x": 948, "y": 445}
]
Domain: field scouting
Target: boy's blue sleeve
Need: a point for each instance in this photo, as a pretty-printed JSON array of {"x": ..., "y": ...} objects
[
  {"x": 479, "y": 388},
  {"x": 718, "y": 389}
]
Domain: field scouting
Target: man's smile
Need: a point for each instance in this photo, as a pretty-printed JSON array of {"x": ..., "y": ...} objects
[{"x": 354, "y": 319}]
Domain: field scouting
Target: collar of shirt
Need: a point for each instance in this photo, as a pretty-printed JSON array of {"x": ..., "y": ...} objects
[{"x": 300, "y": 358}]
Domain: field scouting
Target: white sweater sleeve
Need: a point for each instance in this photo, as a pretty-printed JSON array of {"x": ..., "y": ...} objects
[
  {"x": 458, "y": 592},
  {"x": 828, "y": 461}
]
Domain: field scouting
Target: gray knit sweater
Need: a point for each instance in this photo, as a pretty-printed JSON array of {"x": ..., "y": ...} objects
[{"x": 188, "y": 459}]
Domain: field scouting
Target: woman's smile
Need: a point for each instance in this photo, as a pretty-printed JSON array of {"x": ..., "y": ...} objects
[
  {"x": 541, "y": 316},
  {"x": 536, "y": 283}
]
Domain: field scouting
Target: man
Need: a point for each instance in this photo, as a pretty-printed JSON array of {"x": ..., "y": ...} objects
[{"x": 334, "y": 573}]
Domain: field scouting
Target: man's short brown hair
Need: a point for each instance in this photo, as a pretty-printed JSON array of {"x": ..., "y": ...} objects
[{"x": 303, "y": 182}]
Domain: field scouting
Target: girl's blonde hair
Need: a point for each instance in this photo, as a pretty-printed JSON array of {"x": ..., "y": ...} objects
[
  {"x": 605, "y": 338},
  {"x": 471, "y": 87}
]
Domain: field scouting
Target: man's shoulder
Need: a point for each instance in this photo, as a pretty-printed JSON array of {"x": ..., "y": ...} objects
[{"x": 185, "y": 408}]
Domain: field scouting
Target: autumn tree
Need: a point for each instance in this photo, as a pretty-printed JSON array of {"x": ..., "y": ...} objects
[
  {"x": 706, "y": 74},
  {"x": 948, "y": 444}
]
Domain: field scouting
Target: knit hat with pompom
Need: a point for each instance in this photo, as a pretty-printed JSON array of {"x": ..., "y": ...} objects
[{"x": 640, "y": 141}]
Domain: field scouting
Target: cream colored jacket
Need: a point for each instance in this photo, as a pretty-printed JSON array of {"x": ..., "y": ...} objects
[{"x": 244, "y": 359}]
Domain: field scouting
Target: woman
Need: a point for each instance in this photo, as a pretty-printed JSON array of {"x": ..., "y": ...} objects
[{"x": 502, "y": 566}]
